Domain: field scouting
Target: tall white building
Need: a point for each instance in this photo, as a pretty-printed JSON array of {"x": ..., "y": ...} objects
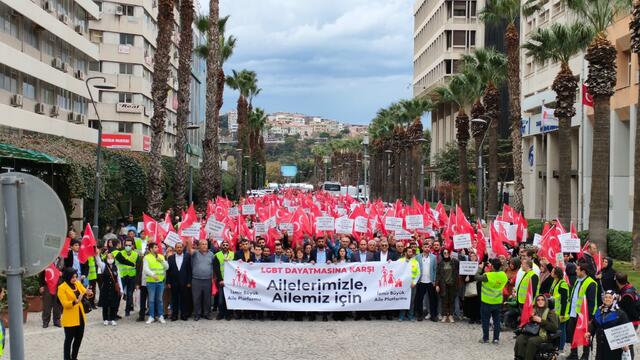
[{"x": 44, "y": 57}]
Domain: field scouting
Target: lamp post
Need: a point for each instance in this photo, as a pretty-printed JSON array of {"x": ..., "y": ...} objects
[
  {"x": 190, "y": 126},
  {"x": 365, "y": 162},
  {"x": 420, "y": 142},
  {"x": 246, "y": 173},
  {"x": 96, "y": 200},
  {"x": 387, "y": 174},
  {"x": 358, "y": 161},
  {"x": 326, "y": 161},
  {"x": 239, "y": 173},
  {"x": 480, "y": 172}
]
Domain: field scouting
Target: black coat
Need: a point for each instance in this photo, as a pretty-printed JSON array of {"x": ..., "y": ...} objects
[
  {"x": 108, "y": 295},
  {"x": 181, "y": 277},
  {"x": 600, "y": 322},
  {"x": 68, "y": 262}
]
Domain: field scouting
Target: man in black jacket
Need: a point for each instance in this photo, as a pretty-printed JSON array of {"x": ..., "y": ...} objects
[
  {"x": 179, "y": 281},
  {"x": 72, "y": 260}
]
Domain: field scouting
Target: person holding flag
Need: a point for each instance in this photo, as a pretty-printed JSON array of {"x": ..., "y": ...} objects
[
  {"x": 73, "y": 260},
  {"x": 560, "y": 293},
  {"x": 530, "y": 277},
  {"x": 607, "y": 316},
  {"x": 584, "y": 288},
  {"x": 538, "y": 317},
  {"x": 49, "y": 281},
  {"x": 493, "y": 282}
]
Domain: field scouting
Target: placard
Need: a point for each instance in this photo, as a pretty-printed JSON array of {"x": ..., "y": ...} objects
[
  {"x": 621, "y": 336},
  {"x": 392, "y": 223},
  {"x": 414, "y": 221},
  {"x": 260, "y": 228},
  {"x": 192, "y": 231},
  {"x": 270, "y": 222},
  {"x": 288, "y": 227},
  {"x": 341, "y": 211},
  {"x": 344, "y": 225},
  {"x": 568, "y": 243},
  {"x": 233, "y": 212},
  {"x": 512, "y": 230},
  {"x": 461, "y": 241},
  {"x": 248, "y": 209},
  {"x": 214, "y": 227},
  {"x": 140, "y": 227},
  {"x": 360, "y": 224},
  {"x": 537, "y": 238},
  {"x": 325, "y": 223},
  {"x": 402, "y": 235},
  {"x": 172, "y": 239},
  {"x": 468, "y": 267}
]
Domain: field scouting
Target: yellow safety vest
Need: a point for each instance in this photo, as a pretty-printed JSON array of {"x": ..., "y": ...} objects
[
  {"x": 93, "y": 274},
  {"x": 524, "y": 286},
  {"x": 491, "y": 292},
  {"x": 126, "y": 270},
  {"x": 222, "y": 258},
  {"x": 415, "y": 269},
  {"x": 555, "y": 290},
  {"x": 584, "y": 285},
  {"x": 156, "y": 266},
  {"x": 1, "y": 340}
]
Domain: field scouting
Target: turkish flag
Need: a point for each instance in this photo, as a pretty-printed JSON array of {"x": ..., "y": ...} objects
[
  {"x": 527, "y": 308},
  {"x": 498, "y": 237},
  {"x": 598, "y": 261},
  {"x": 508, "y": 214},
  {"x": 152, "y": 229},
  {"x": 188, "y": 219},
  {"x": 442, "y": 217},
  {"x": 481, "y": 243},
  {"x": 87, "y": 245},
  {"x": 462, "y": 224},
  {"x": 587, "y": 99},
  {"x": 64, "y": 250},
  {"x": 582, "y": 326},
  {"x": 550, "y": 246},
  {"x": 51, "y": 277}
]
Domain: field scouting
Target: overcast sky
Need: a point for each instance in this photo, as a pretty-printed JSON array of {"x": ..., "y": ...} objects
[{"x": 339, "y": 59}]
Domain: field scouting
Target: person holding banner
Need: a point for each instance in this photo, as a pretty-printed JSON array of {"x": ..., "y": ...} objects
[
  {"x": 447, "y": 284},
  {"x": 218, "y": 269},
  {"x": 607, "y": 316},
  {"x": 415, "y": 275},
  {"x": 492, "y": 284},
  {"x": 585, "y": 286}
]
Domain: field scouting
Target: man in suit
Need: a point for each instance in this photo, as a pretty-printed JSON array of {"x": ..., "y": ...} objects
[
  {"x": 179, "y": 282},
  {"x": 278, "y": 255},
  {"x": 425, "y": 286},
  {"x": 321, "y": 254},
  {"x": 363, "y": 254}
]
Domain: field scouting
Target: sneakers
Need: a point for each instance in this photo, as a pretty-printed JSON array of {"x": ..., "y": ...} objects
[
  {"x": 483, "y": 341},
  {"x": 150, "y": 320},
  {"x": 161, "y": 319},
  {"x": 495, "y": 342},
  {"x": 106, "y": 322},
  {"x": 113, "y": 323},
  {"x": 451, "y": 319},
  {"x": 444, "y": 319}
]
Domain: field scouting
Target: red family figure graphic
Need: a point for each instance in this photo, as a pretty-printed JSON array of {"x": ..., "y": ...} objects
[
  {"x": 387, "y": 279},
  {"x": 242, "y": 279}
]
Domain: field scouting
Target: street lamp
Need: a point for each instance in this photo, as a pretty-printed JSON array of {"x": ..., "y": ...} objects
[
  {"x": 326, "y": 161},
  {"x": 480, "y": 171},
  {"x": 420, "y": 142},
  {"x": 239, "y": 173},
  {"x": 365, "y": 142},
  {"x": 246, "y": 173},
  {"x": 190, "y": 126},
  {"x": 103, "y": 86},
  {"x": 387, "y": 174}
]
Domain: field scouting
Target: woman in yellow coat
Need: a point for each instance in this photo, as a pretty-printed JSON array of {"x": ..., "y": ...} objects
[{"x": 70, "y": 294}]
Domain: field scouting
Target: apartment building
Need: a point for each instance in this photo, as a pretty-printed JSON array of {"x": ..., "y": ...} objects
[
  {"x": 541, "y": 144},
  {"x": 443, "y": 31},
  {"x": 125, "y": 35},
  {"x": 45, "y": 54}
]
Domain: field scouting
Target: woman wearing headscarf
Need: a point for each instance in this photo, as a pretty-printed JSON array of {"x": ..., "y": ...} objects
[
  {"x": 471, "y": 293},
  {"x": 447, "y": 284},
  {"x": 70, "y": 293},
  {"x": 527, "y": 344},
  {"x": 607, "y": 316},
  {"x": 607, "y": 276},
  {"x": 111, "y": 288}
]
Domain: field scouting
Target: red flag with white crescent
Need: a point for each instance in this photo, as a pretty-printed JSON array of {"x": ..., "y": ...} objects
[
  {"x": 582, "y": 326},
  {"x": 51, "y": 277},
  {"x": 87, "y": 245},
  {"x": 527, "y": 308}
]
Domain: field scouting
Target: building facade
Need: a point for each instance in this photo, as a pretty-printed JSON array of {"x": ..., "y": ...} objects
[{"x": 45, "y": 54}]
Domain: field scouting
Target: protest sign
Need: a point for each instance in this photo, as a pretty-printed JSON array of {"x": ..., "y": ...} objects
[
  {"x": 260, "y": 228},
  {"x": 360, "y": 224},
  {"x": 325, "y": 223},
  {"x": 214, "y": 227},
  {"x": 568, "y": 243},
  {"x": 233, "y": 212},
  {"x": 402, "y": 235},
  {"x": 192, "y": 231},
  {"x": 392, "y": 223},
  {"x": 288, "y": 227},
  {"x": 172, "y": 239},
  {"x": 414, "y": 222},
  {"x": 536, "y": 239},
  {"x": 468, "y": 267},
  {"x": 461, "y": 241},
  {"x": 344, "y": 225},
  {"x": 248, "y": 209},
  {"x": 621, "y": 336}
]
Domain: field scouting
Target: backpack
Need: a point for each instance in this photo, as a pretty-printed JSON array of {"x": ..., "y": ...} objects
[{"x": 636, "y": 303}]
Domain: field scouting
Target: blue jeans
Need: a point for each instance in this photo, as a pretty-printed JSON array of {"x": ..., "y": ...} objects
[
  {"x": 155, "y": 290},
  {"x": 488, "y": 311},
  {"x": 563, "y": 334}
]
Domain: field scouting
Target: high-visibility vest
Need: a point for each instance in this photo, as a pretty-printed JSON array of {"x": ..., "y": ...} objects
[
  {"x": 222, "y": 258},
  {"x": 156, "y": 266},
  {"x": 126, "y": 270},
  {"x": 555, "y": 290},
  {"x": 415, "y": 269},
  {"x": 93, "y": 273},
  {"x": 491, "y": 292},
  {"x": 524, "y": 286},
  {"x": 1, "y": 340},
  {"x": 584, "y": 285}
]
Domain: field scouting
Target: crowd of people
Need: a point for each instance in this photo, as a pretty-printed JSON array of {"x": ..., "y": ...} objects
[{"x": 178, "y": 283}]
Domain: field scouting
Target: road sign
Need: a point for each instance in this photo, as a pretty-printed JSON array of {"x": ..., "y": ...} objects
[{"x": 42, "y": 224}]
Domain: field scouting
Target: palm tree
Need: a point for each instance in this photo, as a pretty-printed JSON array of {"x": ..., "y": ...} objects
[
  {"x": 462, "y": 90},
  {"x": 491, "y": 67},
  {"x": 635, "y": 47},
  {"x": 601, "y": 80},
  {"x": 560, "y": 43},
  {"x": 499, "y": 12},
  {"x": 185, "y": 51},
  {"x": 210, "y": 170},
  {"x": 257, "y": 122},
  {"x": 412, "y": 111},
  {"x": 159, "y": 91}
]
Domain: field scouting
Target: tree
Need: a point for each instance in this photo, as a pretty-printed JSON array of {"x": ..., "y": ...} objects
[
  {"x": 185, "y": 51},
  {"x": 159, "y": 91},
  {"x": 462, "y": 90},
  {"x": 498, "y": 12},
  {"x": 635, "y": 47},
  {"x": 412, "y": 111},
  {"x": 491, "y": 67},
  {"x": 210, "y": 169},
  {"x": 560, "y": 42},
  {"x": 447, "y": 163},
  {"x": 601, "y": 80},
  {"x": 257, "y": 122}
]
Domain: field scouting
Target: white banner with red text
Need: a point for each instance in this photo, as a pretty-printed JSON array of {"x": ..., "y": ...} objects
[{"x": 317, "y": 287}]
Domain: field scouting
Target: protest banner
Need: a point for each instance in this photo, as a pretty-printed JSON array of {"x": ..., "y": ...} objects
[
  {"x": 260, "y": 228},
  {"x": 392, "y": 223},
  {"x": 360, "y": 224},
  {"x": 172, "y": 239},
  {"x": 319, "y": 287},
  {"x": 468, "y": 267},
  {"x": 233, "y": 212},
  {"x": 568, "y": 243},
  {"x": 621, "y": 336},
  {"x": 140, "y": 227},
  {"x": 344, "y": 225},
  {"x": 325, "y": 223},
  {"x": 214, "y": 227},
  {"x": 461, "y": 241},
  {"x": 192, "y": 231},
  {"x": 536, "y": 239},
  {"x": 402, "y": 235},
  {"x": 248, "y": 209},
  {"x": 414, "y": 222}
]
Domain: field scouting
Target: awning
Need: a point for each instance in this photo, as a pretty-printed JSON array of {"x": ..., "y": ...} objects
[{"x": 13, "y": 152}]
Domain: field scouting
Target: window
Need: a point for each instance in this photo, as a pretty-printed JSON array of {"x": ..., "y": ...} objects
[
  {"x": 126, "y": 39},
  {"x": 128, "y": 10},
  {"x": 126, "y": 68},
  {"x": 47, "y": 94},
  {"x": 472, "y": 9},
  {"x": 9, "y": 79},
  {"x": 9, "y": 22},
  {"x": 94, "y": 124},
  {"x": 79, "y": 104},
  {"x": 94, "y": 65},
  {"x": 99, "y": 3},
  {"x": 29, "y": 87},
  {"x": 95, "y": 36},
  {"x": 459, "y": 38},
  {"x": 459, "y": 8},
  {"x": 472, "y": 38},
  {"x": 48, "y": 42},
  {"x": 125, "y": 127},
  {"x": 29, "y": 34},
  {"x": 64, "y": 99},
  {"x": 125, "y": 98}
]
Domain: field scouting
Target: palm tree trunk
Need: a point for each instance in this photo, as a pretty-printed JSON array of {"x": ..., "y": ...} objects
[
  {"x": 462, "y": 125},
  {"x": 403, "y": 171},
  {"x": 241, "y": 108},
  {"x": 159, "y": 90},
  {"x": 388, "y": 177},
  {"x": 184, "y": 93},
  {"x": 210, "y": 184},
  {"x": 566, "y": 86},
  {"x": 601, "y": 55},
  {"x": 492, "y": 103},
  {"x": 512, "y": 41},
  {"x": 635, "y": 47}
]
